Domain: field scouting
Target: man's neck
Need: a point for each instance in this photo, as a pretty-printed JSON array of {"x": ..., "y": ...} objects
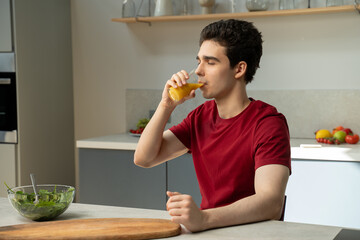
[{"x": 233, "y": 104}]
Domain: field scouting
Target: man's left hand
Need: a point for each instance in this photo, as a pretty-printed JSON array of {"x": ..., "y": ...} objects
[{"x": 183, "y": 210}]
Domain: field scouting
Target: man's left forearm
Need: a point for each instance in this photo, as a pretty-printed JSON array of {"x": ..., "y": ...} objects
[
  {"x": 266, "y": 204},
  {"x": 254, "y": 208}
]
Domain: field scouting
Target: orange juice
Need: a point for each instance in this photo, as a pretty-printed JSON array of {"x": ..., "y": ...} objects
[{"x": 179, "y": 93}]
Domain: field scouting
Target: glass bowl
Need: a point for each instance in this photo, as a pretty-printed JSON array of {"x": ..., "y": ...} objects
[{"x": 54, "y": 199}]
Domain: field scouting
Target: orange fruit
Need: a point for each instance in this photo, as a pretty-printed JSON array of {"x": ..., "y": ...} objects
[{"x": 338, "y": 128}]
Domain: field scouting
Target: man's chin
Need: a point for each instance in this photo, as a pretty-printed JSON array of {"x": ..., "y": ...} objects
[{"x": 206, "y": 96}]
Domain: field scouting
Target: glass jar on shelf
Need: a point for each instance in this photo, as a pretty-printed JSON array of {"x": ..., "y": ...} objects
[{"x": 257, "y": 5}]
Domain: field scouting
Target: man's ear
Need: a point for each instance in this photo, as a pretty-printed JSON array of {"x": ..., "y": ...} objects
[{"x": 240, "y": 69}]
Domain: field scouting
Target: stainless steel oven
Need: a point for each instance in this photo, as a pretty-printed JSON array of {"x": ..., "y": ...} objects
[{"x": 8, "y": 106}]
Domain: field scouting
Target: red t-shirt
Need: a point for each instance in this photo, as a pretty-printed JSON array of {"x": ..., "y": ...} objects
[{"x": 226, "y": 152}]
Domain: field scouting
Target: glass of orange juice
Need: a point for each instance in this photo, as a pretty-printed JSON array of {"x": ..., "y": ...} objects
[{"x": 176, "y": 94}]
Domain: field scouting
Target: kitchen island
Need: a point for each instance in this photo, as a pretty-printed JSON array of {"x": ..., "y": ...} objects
[
  {"x": 263, "y": 230},
  {"x": 322, "y": 189}
]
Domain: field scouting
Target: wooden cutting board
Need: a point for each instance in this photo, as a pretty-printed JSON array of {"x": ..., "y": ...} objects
[{"x": 97, "y": 228}]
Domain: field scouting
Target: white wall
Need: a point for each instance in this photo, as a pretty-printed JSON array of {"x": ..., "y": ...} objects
[{"x": 300, "y": 52}]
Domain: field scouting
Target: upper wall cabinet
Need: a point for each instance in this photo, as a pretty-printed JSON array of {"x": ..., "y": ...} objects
[
  {"x": 5, "y": 26},
  {"x": 347, "y": 8}
]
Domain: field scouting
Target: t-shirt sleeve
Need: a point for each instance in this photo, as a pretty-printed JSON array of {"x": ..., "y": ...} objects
[
  {"x": 272, "y": 142},
  {"x": 183, "y": 130}
]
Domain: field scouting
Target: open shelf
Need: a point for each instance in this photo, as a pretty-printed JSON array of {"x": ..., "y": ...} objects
[{"x": 347, "y": 8}]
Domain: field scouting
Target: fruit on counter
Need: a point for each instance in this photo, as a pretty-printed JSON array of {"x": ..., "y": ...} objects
[
  {"x": 137, "y": 131},
  {"x": 140, "y": 126},
  {"x": 352, "y": 139},
  {"x": 340, "y": 135},
  {"x": 338, "y": 128},
  {"x": 330, "y": 140},
  {"x": 348, "y": 131},
  {"x": 322, "y": 133}
]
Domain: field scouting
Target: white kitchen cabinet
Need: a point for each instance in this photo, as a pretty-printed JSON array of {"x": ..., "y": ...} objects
[
  {"x": 5, "y": 26},
  {"x": 7, "y": 167},
  {"x": 324, "y": 192}
]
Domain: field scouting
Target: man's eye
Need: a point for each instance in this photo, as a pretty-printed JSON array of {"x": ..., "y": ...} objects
[{"x": 211, "y": 63}]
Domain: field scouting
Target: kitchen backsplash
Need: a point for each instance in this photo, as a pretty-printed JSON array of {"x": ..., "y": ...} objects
[{"x": 305, "y": 110}]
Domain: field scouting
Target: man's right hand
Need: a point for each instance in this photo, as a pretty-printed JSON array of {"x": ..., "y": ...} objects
[
  {"x": 178, "y": 79},
  {"x": 155, "y": 145}
]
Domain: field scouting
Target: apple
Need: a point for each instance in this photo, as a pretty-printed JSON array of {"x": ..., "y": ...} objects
[
  {"x": 348, "y": 131},
  {"x": 340, "y": 135}
]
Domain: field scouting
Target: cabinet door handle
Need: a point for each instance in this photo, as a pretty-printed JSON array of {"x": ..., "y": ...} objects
[{"x": 4, "y": 81}]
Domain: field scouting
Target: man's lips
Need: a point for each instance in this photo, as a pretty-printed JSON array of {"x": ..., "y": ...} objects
[{"x": 202, "y": 82}]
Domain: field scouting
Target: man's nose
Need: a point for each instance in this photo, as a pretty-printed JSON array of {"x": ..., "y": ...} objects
[{"x": 199, "y": 70}]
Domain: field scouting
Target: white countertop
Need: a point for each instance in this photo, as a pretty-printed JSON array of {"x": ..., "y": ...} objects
[
  {"x": 270, "y": 230},
  {"x": 330, "y": 152},
  {"x": 115, "y": 142},
  {"x": 300, "y": 148}
]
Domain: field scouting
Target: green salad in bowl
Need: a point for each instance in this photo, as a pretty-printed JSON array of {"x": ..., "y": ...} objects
[{"x": 53, "y": 200}]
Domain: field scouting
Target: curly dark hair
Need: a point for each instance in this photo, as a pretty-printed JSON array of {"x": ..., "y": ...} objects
[{"x": 243, "y": 42}]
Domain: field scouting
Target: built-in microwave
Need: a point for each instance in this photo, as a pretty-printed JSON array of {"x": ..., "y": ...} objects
[{"x": 8, "y": 105}]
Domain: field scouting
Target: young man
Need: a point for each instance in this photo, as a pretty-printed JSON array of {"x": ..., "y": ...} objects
[{"x": 240, "y": 146}]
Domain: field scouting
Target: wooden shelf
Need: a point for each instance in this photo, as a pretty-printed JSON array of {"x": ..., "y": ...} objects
[{"x": 347, "y": 8}]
